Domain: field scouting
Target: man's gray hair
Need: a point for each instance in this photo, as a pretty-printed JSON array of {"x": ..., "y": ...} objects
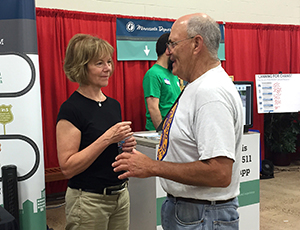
[{"x": 209, "y": 30}]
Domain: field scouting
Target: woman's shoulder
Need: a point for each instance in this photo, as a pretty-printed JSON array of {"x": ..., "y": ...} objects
[{"x": 75, "y": 101}]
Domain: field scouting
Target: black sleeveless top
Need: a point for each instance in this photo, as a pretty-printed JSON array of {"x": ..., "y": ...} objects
[{"x": 93, "y": 120}]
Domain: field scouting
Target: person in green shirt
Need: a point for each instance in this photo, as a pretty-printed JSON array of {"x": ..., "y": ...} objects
[{"x": 161, "y": 87}]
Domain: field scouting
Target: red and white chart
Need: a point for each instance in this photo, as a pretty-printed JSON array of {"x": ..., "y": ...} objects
[{"x": 278, "y": 93}]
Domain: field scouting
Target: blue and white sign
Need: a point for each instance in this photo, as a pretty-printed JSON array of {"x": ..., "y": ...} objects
[{"x": 136, "y": 39}]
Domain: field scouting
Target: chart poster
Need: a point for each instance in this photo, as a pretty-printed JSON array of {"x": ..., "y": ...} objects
[
  {"x": 20, "y": 111},
  {"x": 136, "y": 39},
  {"x": 277, "y": 93}
]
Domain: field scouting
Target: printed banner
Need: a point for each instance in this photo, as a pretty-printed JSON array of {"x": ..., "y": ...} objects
[
  {"x": 136, "y": 39},
  {"x": 20, "y": 110}
]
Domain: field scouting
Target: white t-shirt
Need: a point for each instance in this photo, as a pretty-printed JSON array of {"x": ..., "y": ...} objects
[{"x": 207, "y": 122}]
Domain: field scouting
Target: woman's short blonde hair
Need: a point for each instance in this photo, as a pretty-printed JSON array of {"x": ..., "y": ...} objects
[{"x": 83, "y": 48}]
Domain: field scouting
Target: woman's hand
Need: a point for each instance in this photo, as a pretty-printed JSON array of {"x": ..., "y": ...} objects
[
  {"x": 129, "y": 144},
  {"x": 119, "y": 132}
]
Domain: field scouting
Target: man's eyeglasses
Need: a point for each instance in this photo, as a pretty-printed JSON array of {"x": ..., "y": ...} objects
[{"x": 171, "y": 45}]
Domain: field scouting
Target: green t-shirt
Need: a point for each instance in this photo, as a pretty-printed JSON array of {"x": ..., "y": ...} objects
[{"x": 160, "y": 83}]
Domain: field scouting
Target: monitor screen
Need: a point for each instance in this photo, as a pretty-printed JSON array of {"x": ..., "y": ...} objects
[{"x": 245, "y": 89}]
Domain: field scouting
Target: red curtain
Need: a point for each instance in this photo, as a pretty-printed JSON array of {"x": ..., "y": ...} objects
[
  {"x": 250, "y": 49},
  {"x": 261, "y": 49}
]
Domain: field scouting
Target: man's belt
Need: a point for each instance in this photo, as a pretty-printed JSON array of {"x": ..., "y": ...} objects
[{"x": 196, "y": 201}]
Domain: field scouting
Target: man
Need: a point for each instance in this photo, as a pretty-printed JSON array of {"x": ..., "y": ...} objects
[
  {"x": 200, "y": 147},
  {"x": 161, "y": 87}
]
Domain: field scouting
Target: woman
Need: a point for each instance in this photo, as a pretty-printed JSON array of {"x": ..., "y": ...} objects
[{"x": 88, "y": 129}]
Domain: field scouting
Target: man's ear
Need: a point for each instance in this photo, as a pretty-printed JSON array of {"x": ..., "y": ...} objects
[{"x": 198, "y": 43}]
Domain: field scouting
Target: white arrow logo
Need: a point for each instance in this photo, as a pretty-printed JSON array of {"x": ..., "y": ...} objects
[{"x": 146, "y": 50}]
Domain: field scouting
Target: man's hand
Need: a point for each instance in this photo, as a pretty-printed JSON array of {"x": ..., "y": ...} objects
[
  {"x": 129, "y": 144},
  {"x": 135, "y": 164}
]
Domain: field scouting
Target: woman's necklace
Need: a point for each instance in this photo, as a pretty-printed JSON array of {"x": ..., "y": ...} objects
[{"x": 99, "y": 102}]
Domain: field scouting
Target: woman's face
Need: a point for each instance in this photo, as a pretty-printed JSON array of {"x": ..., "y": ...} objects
[{"x": 99, "y": 71}]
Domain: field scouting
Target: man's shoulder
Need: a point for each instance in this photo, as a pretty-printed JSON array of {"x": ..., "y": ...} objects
[
  {"x": 155, "y": 68},
  {"x": 154, "y": 73}
]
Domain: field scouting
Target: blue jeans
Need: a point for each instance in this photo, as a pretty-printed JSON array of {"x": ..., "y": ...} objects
[{"x": 177, "y": 215}]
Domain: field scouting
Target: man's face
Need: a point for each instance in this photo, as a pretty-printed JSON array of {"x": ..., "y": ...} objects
[{"x": 179, "y": 50}]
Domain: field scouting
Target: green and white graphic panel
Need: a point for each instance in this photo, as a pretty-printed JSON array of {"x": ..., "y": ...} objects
[
  {"x": 20, "y": 110},
  {"x": 249, "y": 182}
]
